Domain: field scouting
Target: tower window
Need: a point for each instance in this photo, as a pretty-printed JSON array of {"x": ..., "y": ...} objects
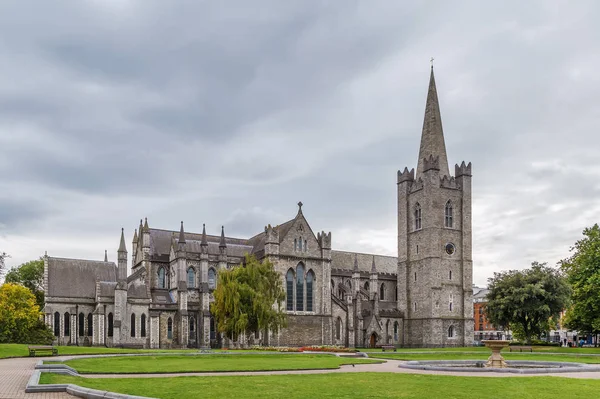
[
  {"x": 450, "y": 275},
  {"x": 415, "y": 306},
  {"x": 448, "y": 214},
  {"x": 451, "y": 332},
  {"x": 415, "y": 276},
  {"x": 418, "y": 217}
]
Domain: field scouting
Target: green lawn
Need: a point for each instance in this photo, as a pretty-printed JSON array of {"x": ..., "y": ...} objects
[
  {"x": 20, "y": 350},
  {"x": 553, "y": 349},
  {"x": 578, "y": 358},
  {"x": 342, "y": 385},
  {"x": 187, "y": 364}
]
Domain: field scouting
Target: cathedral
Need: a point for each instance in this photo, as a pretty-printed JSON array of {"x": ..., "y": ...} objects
[{"x": 421, "y": 298}]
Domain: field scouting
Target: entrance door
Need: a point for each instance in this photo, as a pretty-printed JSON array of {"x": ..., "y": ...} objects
[{"x": 373, "y": 339}]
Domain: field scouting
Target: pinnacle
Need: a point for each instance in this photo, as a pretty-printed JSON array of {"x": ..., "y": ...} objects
[
  {"x": 432, "y": 136},
  {"x": 105, "y": 256},
  {"x": 222, "y": 244},
  {"x": 373, "y": 268},
  {"x": 146, "y": 228},
  {"x": 122, "y": 247},
  {"x": 181, "y": 234},
  {"x": 204, "y": 241},
  {"x": 355, "y": 262}
]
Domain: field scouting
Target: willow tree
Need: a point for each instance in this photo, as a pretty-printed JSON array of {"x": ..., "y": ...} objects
[{"x": 248, "y": 299}]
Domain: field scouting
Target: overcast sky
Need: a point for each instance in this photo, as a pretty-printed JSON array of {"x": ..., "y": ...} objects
[{"x": 230, "y": 112}]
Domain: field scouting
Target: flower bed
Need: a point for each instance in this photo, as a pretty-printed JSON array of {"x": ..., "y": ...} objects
[
  {"x": 274, "y": 348},
  {"x": 326, "y": 348}
]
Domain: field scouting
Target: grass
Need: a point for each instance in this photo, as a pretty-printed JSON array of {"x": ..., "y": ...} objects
[
  {"x": 20, "y": 350},
  {"x": 577, "y": 357},
  {"x": 552, "y": 349},
  {"x": 200, "y": 363},
  {"x": 342, "y": 385}
]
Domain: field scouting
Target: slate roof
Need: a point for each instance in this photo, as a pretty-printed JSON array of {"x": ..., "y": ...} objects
[
  {"x": 345, "y": 260},
  {"x": 161, "y": 240},
  {"x": 76, "y": 278}
]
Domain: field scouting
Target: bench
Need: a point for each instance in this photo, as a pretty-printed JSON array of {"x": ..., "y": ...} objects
[
  {"x": 42, "y": 348},
  {"x": 390, "y": 347},
  {"x": 520, "y": 348}
]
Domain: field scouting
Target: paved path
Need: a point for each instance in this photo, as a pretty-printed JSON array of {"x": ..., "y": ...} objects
[
  {"x": 390, "y": 366},
  {"x": 14, "y": 374}
]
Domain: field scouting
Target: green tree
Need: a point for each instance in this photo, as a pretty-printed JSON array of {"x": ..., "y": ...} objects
[
  {"x": 583, "y": 273},
  {"x": 30, "y": 275},
  {"x": 526, "y": 299},
  {"x": 248, "y": 299},
  {"x": 19, "y": 314},
  {"x": 3, "y": 256}
]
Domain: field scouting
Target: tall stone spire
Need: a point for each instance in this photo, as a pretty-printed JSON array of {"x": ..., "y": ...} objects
[
  {"x": 432, "y": 137},
  {"x": 105, "y": 256}
]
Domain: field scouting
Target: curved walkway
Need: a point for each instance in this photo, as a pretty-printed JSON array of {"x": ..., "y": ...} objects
[
  {"x": 390, "y": 366},
  {"x": 14, "y": 374}
]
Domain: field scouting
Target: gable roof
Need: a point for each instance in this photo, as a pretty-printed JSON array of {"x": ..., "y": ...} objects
[
  {"x": 76, "y": 278},
  {"x": 345, "y": 261}
]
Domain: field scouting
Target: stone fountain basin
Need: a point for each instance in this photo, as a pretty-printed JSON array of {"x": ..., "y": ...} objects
[{"x": 514, "y": 366}]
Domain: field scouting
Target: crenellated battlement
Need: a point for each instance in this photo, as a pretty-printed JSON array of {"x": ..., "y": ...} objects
[
  {"x": 324, "y": 239},
  {"x": 449, "y": 182},
  {"x": 417, "y": 185},
  {"x": 462, "y": 170},
  {"x": 272, "y": 234},
  {"x": 406, "y": 175},
  {"x": 431, "y": 163}
]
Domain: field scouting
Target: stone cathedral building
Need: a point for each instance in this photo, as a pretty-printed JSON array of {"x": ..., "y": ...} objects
[{"x": 422, "y": 297}]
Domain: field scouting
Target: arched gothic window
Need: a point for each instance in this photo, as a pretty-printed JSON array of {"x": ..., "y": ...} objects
[
  {"x": 170, "y": 328},
  {"x": 395, "y": 331},
  {"x": 191, "y": 277},
  {"x": 161, "y": 278},
  {"x": 212, "y": 279},
  {"x": 289, "y": 285},
  {"x": 332, "y": 286},
  {"x": 451, "y": 300},
  {"x": 295, "y": 244},
  {"x": 56, "y": 324},
  {"x": 366, "y": 286},
  {"x": 81, "y": 324},
  {"x": 132, "y": 325},
  {"x": 451, "y": 332},
  {"x": 300, "y": 287},
  {"x": 305, "y": 246},
  {"x": 418, "y": 217},
  {"x": 90, "y": 321},
  {"x": 310, "y": 277},
  {"x": 349, "y": 284},
  {"x": 382, "y": 292},
  {"x": 192, "y": 328},
  {"x": 396, "y": 296},
  {"x": 143, "y": 325},
  {"x": 110, "y": 324},
  {"x": 67, "y": 324},
  {"x": 448, "y": 214},
  {"x": 338, "y": 328},
  {"x": 450, "y": 275},
  {"x": 213, "y": 333}
]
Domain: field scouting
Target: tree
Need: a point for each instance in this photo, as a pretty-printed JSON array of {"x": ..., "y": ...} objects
[
  {"x": 527, "y": 299},
  {"x": 3, "y": 256},
  {"x": 583, "y": 273},
  {"x": 248, "y": 299},
  {"x": 19, "y": 314},
  {"x": 30, "y": 275}
]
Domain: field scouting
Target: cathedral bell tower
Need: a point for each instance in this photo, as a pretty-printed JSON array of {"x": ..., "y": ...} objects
[{"x": 435, "y": 265}]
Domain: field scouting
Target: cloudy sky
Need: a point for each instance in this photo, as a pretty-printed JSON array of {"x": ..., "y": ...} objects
[{"x": 230, "y": 112}]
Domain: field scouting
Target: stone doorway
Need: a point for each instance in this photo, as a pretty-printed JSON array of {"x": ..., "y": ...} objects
[{"x": 373, "y": 340}]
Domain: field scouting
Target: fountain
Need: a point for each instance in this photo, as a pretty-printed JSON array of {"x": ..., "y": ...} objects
[
  {"x": 496, "y": 360},
  {"x": 496, "y": 363}
]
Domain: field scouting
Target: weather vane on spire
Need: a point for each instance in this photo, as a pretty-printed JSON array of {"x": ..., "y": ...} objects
[{"x": 431, "y": 61}]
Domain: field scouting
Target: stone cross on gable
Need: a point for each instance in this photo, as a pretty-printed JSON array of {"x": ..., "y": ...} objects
[{"x": 300, "y": 206}]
